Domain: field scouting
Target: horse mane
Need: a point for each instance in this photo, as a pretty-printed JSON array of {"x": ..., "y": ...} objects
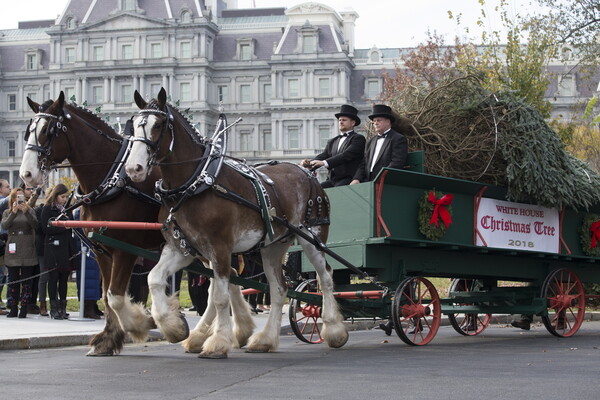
[
  {"x": 92, "y": 117},
  {"x": 153, "y": 104}
]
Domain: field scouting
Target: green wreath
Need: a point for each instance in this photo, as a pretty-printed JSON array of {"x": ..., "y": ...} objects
[
  {"x": 586, "y": 237},
  {"x": 426, "y": 208}
]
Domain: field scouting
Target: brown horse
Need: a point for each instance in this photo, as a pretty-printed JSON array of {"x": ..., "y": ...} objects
[
  {"x": 223, "y": 219},
  {"x": 62, "y": 131}
]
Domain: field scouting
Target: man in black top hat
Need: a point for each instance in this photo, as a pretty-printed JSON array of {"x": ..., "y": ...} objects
[
  {"x": 387, "y": 149},
  {"x": 343, "y": 153}
]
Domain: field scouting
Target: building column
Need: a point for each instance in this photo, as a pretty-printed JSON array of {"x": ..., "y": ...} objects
[{"x": 113, "y": 90}]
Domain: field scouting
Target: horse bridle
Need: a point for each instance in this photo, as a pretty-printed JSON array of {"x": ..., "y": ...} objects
[
  {"x": 54, "y": 127},
  {"x": 153, "y": 146}
]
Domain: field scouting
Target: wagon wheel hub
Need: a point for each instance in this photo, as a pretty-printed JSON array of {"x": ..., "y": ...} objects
[
  {"x": 415, "y": 311},
  {"x": 563, "y": 301},
  {"x": 311, "y": 311}
]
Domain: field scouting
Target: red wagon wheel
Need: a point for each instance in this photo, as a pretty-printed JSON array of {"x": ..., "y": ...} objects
[
  {"x": 305, "y": 318},
  {"x": 566, "y": 300},
  {"x": 468, "y": 324},
  {"x": 416, "y": 311}
]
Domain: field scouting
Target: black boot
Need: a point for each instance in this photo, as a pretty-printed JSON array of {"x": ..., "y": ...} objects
[
  {"x": 89, "y": 310},
  {"x": 23, "y": 313},
  {"x": 54, "y": 313},
  {"x": 63, "y": 309},
  {"x": 387, "y": 328},
  {"x": 14, "y": 312}
]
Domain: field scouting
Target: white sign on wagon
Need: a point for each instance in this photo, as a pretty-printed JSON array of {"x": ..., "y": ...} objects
[{"x": 517, "y": 226}]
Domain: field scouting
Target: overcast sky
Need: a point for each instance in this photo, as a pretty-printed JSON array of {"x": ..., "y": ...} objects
[{"x": 385, "y": 23}]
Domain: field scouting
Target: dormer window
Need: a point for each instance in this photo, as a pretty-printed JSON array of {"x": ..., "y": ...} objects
[
  {"x": 308, "y": 39},
  {"x": 186, "y": 17},
  {"x": 33, "y": 59},
  {"x": 70, "y": 23},
  {"x": 245, "y": 49},
  {"x": 375, "y": 56}
]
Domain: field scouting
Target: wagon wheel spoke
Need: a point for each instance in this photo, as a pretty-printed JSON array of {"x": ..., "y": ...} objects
[
  {"x": 416, "y": 311},
  {"x": 305, "y": 318},
  {"x": 565, "y": 297},
  {"x": 471, "y": 324}
]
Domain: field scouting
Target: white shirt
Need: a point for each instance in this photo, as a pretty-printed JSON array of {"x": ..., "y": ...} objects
[{"x": 378, "y": 146}]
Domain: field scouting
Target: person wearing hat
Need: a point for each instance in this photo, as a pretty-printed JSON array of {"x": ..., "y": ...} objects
[
  {"x": 343, "y": 153},
  {"x": 386, "y": 149}
]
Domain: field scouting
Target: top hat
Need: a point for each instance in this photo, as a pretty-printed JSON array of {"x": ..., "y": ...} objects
[
  {"x": 348, "y": 111},
  {"x": 381, "y": 110}
]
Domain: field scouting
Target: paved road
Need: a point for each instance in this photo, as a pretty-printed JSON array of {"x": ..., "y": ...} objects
[{"x": 504, "y": 363}]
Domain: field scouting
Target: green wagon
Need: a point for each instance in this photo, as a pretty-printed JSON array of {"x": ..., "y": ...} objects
[{"x": 376, "y": 226}]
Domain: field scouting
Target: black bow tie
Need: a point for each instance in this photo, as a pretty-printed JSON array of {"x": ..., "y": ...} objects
[
  {"x": 344, "y": 134},
  {"x": 382, "y": 136}
]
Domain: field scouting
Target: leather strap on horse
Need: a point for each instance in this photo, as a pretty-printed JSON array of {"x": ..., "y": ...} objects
[{"x": 311, "y": 238}]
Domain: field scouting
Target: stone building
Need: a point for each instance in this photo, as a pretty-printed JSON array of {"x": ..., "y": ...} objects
[{"x": 284, "y": 71}]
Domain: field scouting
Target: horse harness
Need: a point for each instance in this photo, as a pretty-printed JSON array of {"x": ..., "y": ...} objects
[{"x": 205, "y": 177}]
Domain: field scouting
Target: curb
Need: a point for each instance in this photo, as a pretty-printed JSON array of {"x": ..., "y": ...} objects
[{"x": 46, "y": 342}]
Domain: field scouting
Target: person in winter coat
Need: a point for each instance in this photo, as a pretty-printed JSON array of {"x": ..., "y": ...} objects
[
  {"x": 58, "y": 247},
  {"x": 92, "y": 284},
  {"x": 20, "y": 256}
]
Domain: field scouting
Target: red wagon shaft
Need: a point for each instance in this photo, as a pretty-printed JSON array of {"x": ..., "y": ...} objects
[{"x": 108, "y": 224}]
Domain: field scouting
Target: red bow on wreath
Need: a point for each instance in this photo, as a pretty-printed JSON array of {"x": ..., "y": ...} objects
[
  {"x": 595, "y": 229},
  {"x": 439, "y": 211}
]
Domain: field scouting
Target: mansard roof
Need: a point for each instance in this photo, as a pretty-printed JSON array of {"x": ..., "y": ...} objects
[{"x": 90, "y": 11}]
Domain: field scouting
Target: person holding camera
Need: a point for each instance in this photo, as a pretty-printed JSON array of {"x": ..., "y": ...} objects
[
  {"x": 58, "y": 247},
  {"x": 20, "y": 256}
]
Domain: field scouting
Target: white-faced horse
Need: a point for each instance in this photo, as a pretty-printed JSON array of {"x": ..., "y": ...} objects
[
  {"x": 216, "y": 209},
  {"x": 60, "y": 131}
]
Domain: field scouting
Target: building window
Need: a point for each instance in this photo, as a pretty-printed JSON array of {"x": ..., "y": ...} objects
[
  {"x": 293, "y": 88},
  {"x": 245, "y": 141},
  {"x": 245, "y": 49},
  {"x": 267, "y": 143},
  {"x": 222, "y": 94},
  {"x": 127, "y": 52},
  {"x": 245, "y": 94},
  {"x": 70, "y": 24},
  {"x": 97, "y": 94},
  {"x": 186, "y": 17},
  {"x": 156, "y": 50},
  {"x": 324, "y": 87},
  {"x": 70, "y": 55},
  {"x": 185, "y": 91},
  {"x": 128, "y": 5},
  {"x": 98, "y": 53},
  {"x": 185, "y": 50},
  {"x": 69, "y": 94},
  {"x": 12, "y": 147},
  {"x": 154, "y": 89},
  {"x": 372, "y": 88},
  {"x": 323, "y": 136},
  {"x": 566, "y": 86},
  {"x": 309, "y": 44},
  {"x": 31, "y": 61},
  {"x": 266, "y": 92},
  {"x": 126, "y": 94},
  {"x": 293, "y": 137},
  {"x": 245, "y": 52},
  {"x": 12, "y": 102}
]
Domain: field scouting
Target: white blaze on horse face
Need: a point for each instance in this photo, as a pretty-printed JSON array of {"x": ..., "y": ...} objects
[
  {"x": 137, "y": 163},
  {"x": 29, "y": 170}
]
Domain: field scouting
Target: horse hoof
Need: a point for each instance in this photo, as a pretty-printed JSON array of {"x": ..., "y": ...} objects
[
  {"x": 213, "y": 356},
  {"x": 258, "y": 349},
  {"x": 94, "y": 353},
  {"x": 179, "y": 336},
  {"x": 338, "y": 343}
]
